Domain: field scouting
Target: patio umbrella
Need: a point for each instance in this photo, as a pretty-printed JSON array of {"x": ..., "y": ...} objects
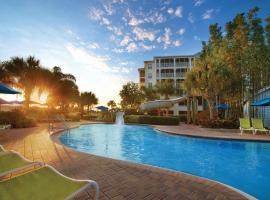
[
  {"x": 262, "y": 102},
  {"x": 222, "y": 106},
  {"x": 102, "y": 108},
  {"x": 4, "y": 89}
]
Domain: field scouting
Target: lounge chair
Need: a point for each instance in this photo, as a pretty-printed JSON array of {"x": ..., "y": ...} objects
[
  {"x": 245, "y": 125},
  {"x": 257, "y": 125},
  {"x": 5, "y": 126},
  {"x": 24, "y": 179},
  {"x": 12, "y": 164},
  {"x": 45, "y": 183}
]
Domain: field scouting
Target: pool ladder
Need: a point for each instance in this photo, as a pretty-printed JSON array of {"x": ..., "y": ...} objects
[{"x": 58, "y": 118}]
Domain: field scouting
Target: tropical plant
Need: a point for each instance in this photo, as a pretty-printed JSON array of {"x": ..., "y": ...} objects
[
  {"x": 165, "y": 88},
  {"x": 131, "y": 96},
  {"x": 233, "y": 66},
  {"x": 26, "y": 74},
  {"x": 150, "y": 93},
  {"x": 88, "y": 99},
  {"x": 111, "y": 104}
]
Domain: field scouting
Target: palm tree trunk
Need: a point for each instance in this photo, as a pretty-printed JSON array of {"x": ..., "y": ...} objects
[{"x": 27, "y": 97}]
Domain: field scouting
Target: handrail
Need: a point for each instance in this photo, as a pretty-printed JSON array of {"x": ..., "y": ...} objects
[{"x": 57, "y": 118}]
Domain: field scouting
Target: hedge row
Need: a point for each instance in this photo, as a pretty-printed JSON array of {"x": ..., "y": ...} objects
[
  {"x": 16, "y": 119},
  {"x": 147, "y": 119}
]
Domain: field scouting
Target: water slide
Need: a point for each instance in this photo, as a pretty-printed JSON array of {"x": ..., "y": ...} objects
[{"x": 159, "y": 104}]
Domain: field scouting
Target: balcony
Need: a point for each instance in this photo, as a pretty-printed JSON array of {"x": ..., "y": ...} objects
[
  {"x": 167, "y": 75},
  {"x": 166, "y": 65},
  {"x": 180, "y": 75},
  {"x": 182, "y": 64}
]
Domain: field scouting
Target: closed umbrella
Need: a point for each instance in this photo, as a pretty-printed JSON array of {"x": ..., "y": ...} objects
[{"x": 4, "y": 89}]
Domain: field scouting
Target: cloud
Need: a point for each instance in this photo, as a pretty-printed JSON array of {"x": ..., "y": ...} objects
[
  {"x": 94, "y": 45},
  {"x": 132, "y": 47},
  {"x": 142, "y": 34},
  {"x": 155, "y": 18},
  {"x": 178, "y": 11},
  {"x": 177, "y": 43},
  {"x": 191, "y": 18},
  {"x": 181, "y": 31},
  {"x": 165, "y": 38},
  {"x": 125, "y": 41},
  {"x": 83, "y": 56},
  {"x": 115, "y": 30},
  {"x": 115, "y": 50},
  {"x": 98, "y": 15},
  {"x": 146, "y": 47},
  {"x": 134, "y": 21},
  {"x": 196, "y": 38},
  {"x": 198, "y": 2},
  {"x": 108, "y": 8},
  {"x": 170, "y": 11},
  {"x": 208, "y": 14}
]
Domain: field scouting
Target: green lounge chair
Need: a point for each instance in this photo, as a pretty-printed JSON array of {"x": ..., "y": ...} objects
[
  {"x": 245, "y": 125},
  {"x": 257, "y": 124},
  {"x": 12, "y": 164},
  {"x": 23, "y": 180},
  {"x": 45, "y": 183}
]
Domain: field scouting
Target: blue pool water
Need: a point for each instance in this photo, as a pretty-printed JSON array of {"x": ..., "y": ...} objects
[{"x": 243, "y": 165}]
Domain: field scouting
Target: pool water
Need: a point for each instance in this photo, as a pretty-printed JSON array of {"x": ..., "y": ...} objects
[{"x": 243, "y": 165}]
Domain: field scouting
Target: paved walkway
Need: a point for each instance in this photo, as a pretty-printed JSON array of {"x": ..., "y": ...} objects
[
  {"x": 196, "y": 131},
  {"x": 118, "y": 180}
]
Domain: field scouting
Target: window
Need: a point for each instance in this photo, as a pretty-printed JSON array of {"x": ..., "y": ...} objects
[
  {"x": 150, "y": 85},
  {"x": 149, "y": 75},
  {"x": 149, "y": 66}
]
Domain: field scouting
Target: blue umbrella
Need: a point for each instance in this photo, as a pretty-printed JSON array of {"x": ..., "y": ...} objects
[
  {"x": 4, "y": 89},
  {"x": 222, "y": 106},
  {"x": 262, "y": 102}
]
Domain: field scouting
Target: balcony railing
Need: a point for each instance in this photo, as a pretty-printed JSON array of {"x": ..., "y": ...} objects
[
  {"x": 166, "y": 75},
  {"x": 182, "y": 64},
  {"x": 180, "y": 75}
]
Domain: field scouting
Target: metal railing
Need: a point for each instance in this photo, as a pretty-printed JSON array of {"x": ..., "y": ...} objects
[{"x": 57, "y": 119}]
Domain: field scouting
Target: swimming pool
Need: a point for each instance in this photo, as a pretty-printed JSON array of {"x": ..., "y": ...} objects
[{"x": 243, "y": 165}]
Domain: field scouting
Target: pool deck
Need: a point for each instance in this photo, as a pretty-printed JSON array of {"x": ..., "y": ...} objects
[
  {"x": 118, "y": 180},
  {"x": 227, "y": 134}
]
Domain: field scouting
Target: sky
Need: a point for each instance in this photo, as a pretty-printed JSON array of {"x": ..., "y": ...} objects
[{"x": 103, "y": 43}]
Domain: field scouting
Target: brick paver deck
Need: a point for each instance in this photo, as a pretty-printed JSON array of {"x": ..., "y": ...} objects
[
  {"x": 196, "y": 131},
  {"x": 118, "y": 180}
]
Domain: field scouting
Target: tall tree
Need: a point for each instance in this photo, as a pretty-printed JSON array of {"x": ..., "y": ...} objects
[
  {"x": 150, "y": 93},
  {"x": 131, "y": 96},
  {"x": 26, "y": 73},
  {"x": 88, "y": 99},
  {"x": 111, "y": 104},
  {"x": 165, "y": 88}
]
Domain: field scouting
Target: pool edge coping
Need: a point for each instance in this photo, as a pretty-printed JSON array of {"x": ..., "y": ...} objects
[{"x": 56, "y": 134}]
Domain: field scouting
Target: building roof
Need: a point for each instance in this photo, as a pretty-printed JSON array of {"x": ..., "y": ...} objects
[{"x": 183, "y": 56}]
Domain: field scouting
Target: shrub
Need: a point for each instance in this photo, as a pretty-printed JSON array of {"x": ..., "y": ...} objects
[
  {"x": 16, "y": 119},
  {"x": 147, "y": 119},
  {"x": 102, "y": 116},
  {"x": 217, "y": 123},
  {"x": 75, "y": 117}
]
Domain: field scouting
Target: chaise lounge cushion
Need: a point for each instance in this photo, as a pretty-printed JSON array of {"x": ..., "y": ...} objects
[{"x": 40, "y": 184}]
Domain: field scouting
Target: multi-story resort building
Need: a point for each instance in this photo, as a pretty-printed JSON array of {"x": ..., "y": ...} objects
[{"x": 172, "y": 68}]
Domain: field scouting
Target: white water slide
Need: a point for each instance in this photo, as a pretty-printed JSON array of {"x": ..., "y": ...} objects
[{"x": 159, "y": 104}]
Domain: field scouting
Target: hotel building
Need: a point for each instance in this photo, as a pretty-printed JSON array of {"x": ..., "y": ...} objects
[{"x": 172, "y": 68}]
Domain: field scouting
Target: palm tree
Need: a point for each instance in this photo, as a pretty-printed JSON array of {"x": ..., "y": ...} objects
[
  {"x": 89, "y": 99},
  {"x": 165, "y": 88},
  {"x": 150, "y": 93},
  {"x": 25, "y": 72},
  {"x": 62, "y": 87},
  {"x": 5, "y": 76},
  {"x": 111, "y": 104}
]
